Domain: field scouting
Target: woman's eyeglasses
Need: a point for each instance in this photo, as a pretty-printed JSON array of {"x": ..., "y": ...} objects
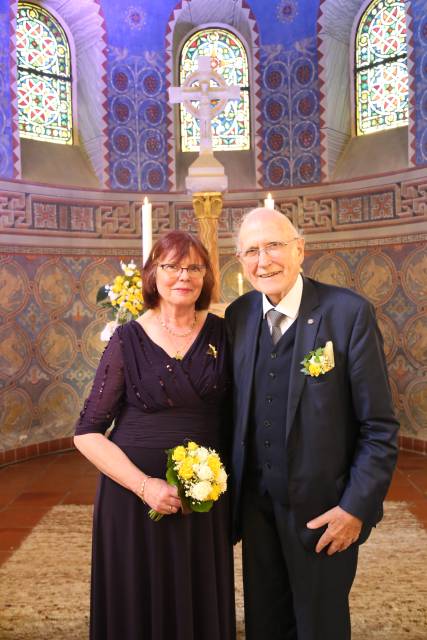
[{"x": 193, "y": 270}]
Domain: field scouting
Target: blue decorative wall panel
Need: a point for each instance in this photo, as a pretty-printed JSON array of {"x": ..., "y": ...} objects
[
  {"x": 419, "y": 27},
  {"x": 138, "y": 25},
  {"x": 285, "y": 22},
  {"x": 6, "y": 153},
  {"x": 137, "y": 127},
  {"x": 290, "y": 113}
]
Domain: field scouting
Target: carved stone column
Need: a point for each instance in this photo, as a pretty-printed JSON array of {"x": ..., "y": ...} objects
[{"x": 207, "y": 208}]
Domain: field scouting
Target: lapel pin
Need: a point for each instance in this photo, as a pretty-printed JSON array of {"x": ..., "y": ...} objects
[{"x": 310, "y": 321}]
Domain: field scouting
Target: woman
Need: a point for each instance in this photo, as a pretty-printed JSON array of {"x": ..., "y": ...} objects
[{"x": 163, "y": 383}]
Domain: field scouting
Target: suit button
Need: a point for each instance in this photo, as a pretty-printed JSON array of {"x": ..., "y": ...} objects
[
  {"x": 269, "y": 399},
  {"x": 267, "y": 443},
  {"x": 267, "y": 423},
  {"x": 268, "y": 465},
  {"x": 273, "y": 356},
  {"x": 272, "y": 375}
]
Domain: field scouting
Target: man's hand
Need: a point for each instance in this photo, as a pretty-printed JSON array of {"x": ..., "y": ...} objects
[{"x": 343, "y": 529}]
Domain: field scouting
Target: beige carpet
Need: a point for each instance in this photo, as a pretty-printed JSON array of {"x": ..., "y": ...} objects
[{"x": 44, "y": 585}]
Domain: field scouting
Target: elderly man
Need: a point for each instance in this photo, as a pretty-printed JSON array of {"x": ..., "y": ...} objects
[{"x": 314, "y": 441}]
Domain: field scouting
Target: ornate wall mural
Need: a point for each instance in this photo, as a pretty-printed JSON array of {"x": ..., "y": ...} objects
[
  {"x": 50, "y": 323},
  {"x": 49, "y": 340}
]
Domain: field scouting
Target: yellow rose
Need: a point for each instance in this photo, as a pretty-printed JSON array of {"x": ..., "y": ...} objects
[
  {"x": 314, "y": 369},
  {"x": 215, "y": 492},
  {"x": 178, "y": 454},
  {"x": 221, "y": 477},
  {"x": 214, "y": 463},
  {"x": 192, "y": 446},
  {"x": 185, "y": 470}
]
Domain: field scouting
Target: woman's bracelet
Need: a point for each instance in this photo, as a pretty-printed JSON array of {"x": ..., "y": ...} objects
[{"x": 141, "y": 491}]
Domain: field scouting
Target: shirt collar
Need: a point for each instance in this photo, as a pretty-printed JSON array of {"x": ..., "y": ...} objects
[{"x": 290, "y": 304}]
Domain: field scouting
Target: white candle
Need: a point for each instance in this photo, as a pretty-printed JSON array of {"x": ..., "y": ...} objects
[
  {"x": 269, "y": 202},
  {"x": 240, "y": 284},
  {"x": 146, "y": 231}
]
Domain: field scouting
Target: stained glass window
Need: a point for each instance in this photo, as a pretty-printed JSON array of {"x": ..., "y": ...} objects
[
  {"x": 44, "y": 76},
  {"x": 230, "y": 128},
  {"x": 381, "y": 67}
]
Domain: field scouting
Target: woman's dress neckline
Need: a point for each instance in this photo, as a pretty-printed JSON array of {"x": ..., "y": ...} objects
[{"x": 189, "y": 350}]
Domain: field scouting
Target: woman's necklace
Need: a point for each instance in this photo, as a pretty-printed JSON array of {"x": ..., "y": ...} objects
[{"x": 180, "y": 351}]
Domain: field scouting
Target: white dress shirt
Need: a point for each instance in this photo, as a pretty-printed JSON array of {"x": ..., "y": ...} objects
[{"x": 289, "y": 305}]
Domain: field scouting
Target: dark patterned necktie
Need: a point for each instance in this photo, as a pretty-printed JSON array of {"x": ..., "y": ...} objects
[{"x": 275, "y": 318}]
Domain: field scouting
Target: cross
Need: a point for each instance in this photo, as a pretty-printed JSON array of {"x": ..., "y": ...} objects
[{"x": 204, "y": 93}]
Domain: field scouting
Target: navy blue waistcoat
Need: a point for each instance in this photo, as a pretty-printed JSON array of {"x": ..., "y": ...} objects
[{"x": 267, "y": 460}]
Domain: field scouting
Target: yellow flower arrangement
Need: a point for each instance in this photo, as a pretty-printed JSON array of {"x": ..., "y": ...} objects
[
  {"x": 123, "y": 297},
  {"x": 199, "y": 475}
]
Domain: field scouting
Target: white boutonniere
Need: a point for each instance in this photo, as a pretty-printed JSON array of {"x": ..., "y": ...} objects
[{"x": 319, "y": 361}]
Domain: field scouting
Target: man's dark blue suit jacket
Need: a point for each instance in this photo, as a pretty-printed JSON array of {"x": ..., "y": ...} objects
[{"x": 341, "y": 432}]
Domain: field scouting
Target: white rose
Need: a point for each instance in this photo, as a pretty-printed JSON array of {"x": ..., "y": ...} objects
[
  {"x": 200, "y": 491},
  {"x": 202, "y": 454},
  {"x": 221, "y": 477},
  {"x": 204, "y": 472},
  {"x": 128, "y": 269},
  {"x": 108, "y": 331}
]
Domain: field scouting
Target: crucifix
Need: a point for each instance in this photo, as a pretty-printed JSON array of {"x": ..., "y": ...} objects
[
  {"x": 206, "y": 179},
  {"x": 197, "y": 86}
]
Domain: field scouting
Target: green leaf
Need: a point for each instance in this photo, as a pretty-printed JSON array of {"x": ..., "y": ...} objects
[
  {"x": 172, "y": 477},
  {"x": 201, "y": 507}
]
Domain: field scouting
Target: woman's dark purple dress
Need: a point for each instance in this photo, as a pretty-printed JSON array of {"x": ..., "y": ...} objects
[{"x": 171, "y": 579}]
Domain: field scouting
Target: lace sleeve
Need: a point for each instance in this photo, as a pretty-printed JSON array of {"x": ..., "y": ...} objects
[{"x": 107, "y": 394}]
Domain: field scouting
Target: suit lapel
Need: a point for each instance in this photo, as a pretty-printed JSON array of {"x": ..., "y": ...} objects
[
  {"x": 249, "y": 344},
  {"x": 308, "y": 325}
]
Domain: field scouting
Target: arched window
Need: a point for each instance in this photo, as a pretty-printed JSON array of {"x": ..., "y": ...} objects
[
  {"x": 44, "y": 76},
  {"x": 231, "y": 128},
  {"x": 381, "y": 67}
]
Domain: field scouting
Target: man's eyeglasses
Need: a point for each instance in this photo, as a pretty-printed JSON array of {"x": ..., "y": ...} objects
[
  {"x": 272, "y": 249},
  {"x": 193, "y": 270}
]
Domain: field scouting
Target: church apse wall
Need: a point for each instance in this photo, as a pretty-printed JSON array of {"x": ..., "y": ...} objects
[{"x": 57, "y": 247}]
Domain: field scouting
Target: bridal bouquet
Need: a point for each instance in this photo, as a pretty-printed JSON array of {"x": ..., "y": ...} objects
[
  {"x": 199, "y": 475},
  {"x": 123, "y": 296}
]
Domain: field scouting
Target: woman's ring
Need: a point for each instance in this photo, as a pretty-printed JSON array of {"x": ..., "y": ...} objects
[{"x": 170, "y": 508}]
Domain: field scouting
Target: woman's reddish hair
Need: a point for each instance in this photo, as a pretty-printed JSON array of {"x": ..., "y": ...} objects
[{"x": 179, "y": 243}]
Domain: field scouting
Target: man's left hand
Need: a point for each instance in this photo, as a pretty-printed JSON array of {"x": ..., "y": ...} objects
[{"x": 343, "y": 529}]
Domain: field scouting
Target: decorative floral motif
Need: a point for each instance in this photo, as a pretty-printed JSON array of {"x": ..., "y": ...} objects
[
  {"x": 319, "y": 361},
  {"x": 287, "y": 10},
  {"x": 135, "y": 18}
]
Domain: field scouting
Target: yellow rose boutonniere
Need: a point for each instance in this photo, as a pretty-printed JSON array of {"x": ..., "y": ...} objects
[{"x": 319, "y": 361}]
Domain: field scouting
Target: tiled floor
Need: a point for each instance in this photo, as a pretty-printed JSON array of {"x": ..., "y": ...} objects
[{"x": 29, "y": 489}]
